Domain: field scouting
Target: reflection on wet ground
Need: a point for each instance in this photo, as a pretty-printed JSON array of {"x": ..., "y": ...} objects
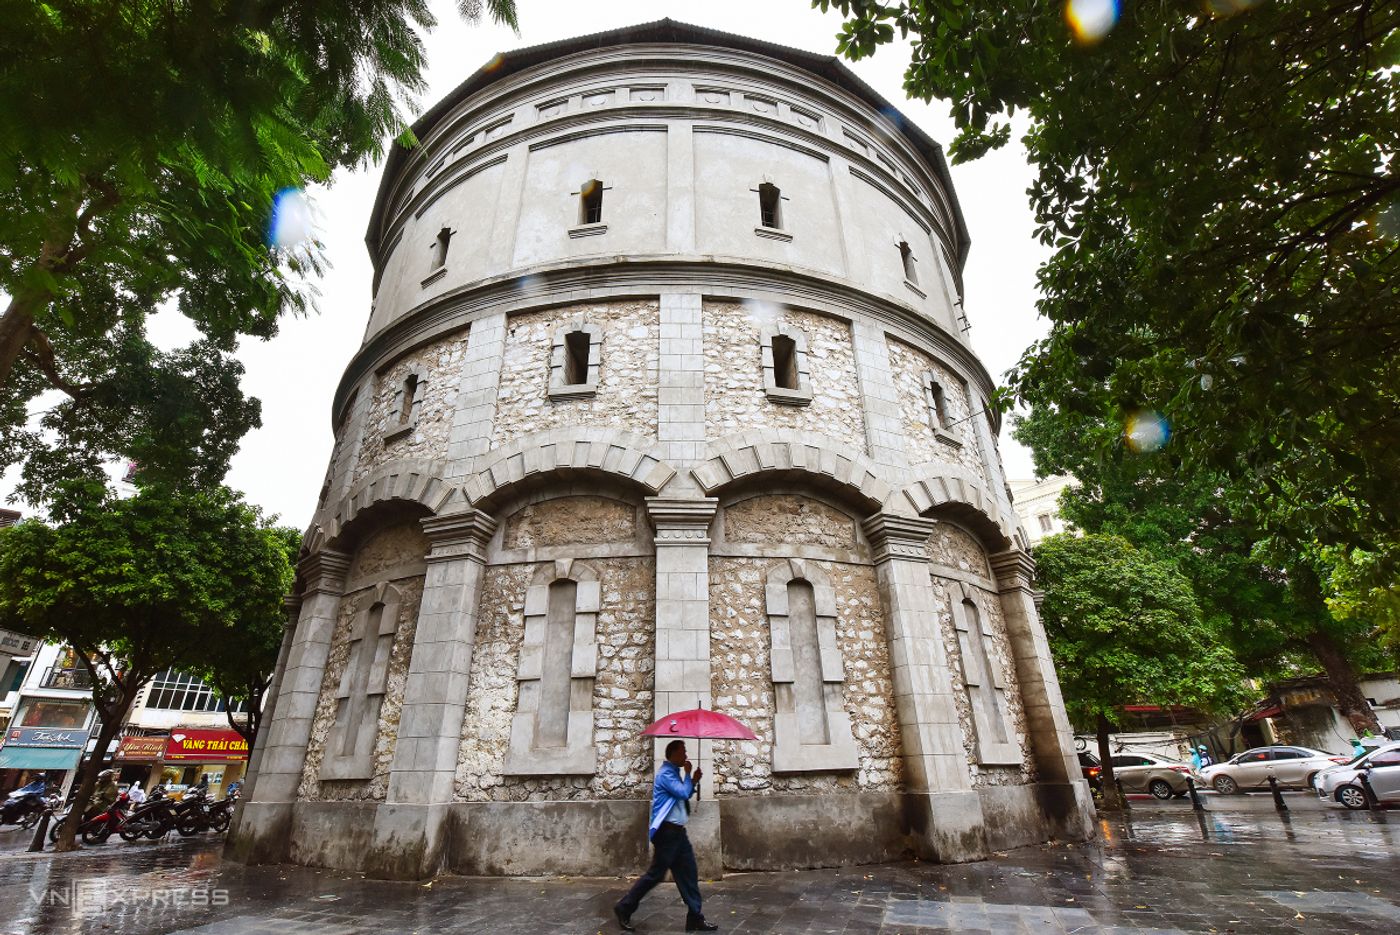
[{"x": 1237, "y": 867}]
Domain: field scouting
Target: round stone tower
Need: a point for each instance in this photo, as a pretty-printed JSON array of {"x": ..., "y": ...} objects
[{"x": 666, "y": 399}]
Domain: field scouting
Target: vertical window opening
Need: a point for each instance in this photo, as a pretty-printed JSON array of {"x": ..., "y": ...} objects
[
  {"x": 807, "y": 664},
  {"x": 939, "y": 398},
  {"x": 770, "y": 205},
  {"x": 785, "y": 362},
  {"x": 410, "y": 396},
  {"x": 444, "y": 240},
  {"x": 576, "y": 357},
  {"x": 552, "y": 724},
  {"x": 906, "y": 258},
  {"x": 591, "y": 202},
  {"x": 988, "y": 696}
]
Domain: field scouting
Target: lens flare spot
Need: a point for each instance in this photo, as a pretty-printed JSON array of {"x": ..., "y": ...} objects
[
  {"x": 291, "y": 219},
  {"x": 496, "y": 62},
  {"x": 1146, "y": 431},
  {"x": 1207, "y": 381},
  {"x": 1091, "y": 20},
  {"x": 762, "y": 314}
]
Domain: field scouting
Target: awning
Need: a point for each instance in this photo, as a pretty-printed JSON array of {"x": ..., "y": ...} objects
[{"x": 12, "y": 757}]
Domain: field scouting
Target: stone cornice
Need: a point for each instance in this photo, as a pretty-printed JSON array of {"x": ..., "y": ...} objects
[
  {"x": 323, "y": 571},
  {"x": 615, "y": 278},
  {"x": 892, "y": 536},
  {"x": 458, "y": 536},
  {"x": 682, "y": 521},
  {"x": 1013, "y": 569}
]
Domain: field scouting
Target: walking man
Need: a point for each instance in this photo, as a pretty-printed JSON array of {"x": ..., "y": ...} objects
[{"x": 670, "y": 809}]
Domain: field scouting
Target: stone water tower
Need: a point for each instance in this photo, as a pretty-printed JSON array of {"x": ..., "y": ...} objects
[{"x": 666, "y": 399}]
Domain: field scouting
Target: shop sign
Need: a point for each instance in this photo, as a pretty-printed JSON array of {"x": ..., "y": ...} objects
[
  {"x": 141, "y": 748},
  {"x": 208, "y": 745},
  {"x": 46, "y": 737}
]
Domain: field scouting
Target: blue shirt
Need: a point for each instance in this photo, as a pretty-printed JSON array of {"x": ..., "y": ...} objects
[{"x": 670, "y": 790}]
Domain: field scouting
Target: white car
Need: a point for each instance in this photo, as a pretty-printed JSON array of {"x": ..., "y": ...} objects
[
  {"x": 1343, "y": 783},
  {"x": 1293, "y": 767}
]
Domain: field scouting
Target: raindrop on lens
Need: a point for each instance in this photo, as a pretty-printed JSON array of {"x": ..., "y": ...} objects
[
  {"x": 1091, "y": 20},
  {"x": 1207, "y": 381},
  {"x": 291, "y": 219},
  {"x": 1146, "y": 431}
]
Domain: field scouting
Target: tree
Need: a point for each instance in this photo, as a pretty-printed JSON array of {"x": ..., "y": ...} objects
[
  {"x": 144, "y": 149},
  {"x": 136, "y": 586},
  {"x": 1124, "y": 628},
  {"x": 241, "y": 670},
  {"x": 1270, "y": 608},
  {"x": 1218, "y": 183}
]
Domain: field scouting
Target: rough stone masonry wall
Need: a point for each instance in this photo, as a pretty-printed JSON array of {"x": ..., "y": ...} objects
[
  {"x": 383, "y": 550},
  {"x": 909, "y": 365},
  {"x": 743, "y": 680},
  {"x": 627, "y": 371},
  {"x": 956, "y": 548},
  {"x": 570, "y": 521},
  {"x": 734, "y": 394},
  {"x": 440, "y": 365},
  {"x": 622, "y": 691}
]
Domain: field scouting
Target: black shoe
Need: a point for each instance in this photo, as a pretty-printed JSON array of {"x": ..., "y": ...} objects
[
  {"x": 700, "y": 925},
  {"x": 624, "y": 919}
]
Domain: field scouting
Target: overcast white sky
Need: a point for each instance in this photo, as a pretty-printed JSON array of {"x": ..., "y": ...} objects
[{"x": 280, "y": 466}]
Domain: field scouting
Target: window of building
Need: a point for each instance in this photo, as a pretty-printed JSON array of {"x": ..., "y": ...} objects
[
  {"x": 786, "y": 376},
  {"x": 939, "y": 415},
  {"x": 574, "y": 360},
  {"x": 591, "y": 202},
  {"x": 408, "y": 401},
  {"x": 48, "y": 712},
  {"x": 179, "y": 691},
  {"x": 1046, "y": 525},
  {"x": 906, "y": 259},
  {"x": 440, "y": 247},
  {"x": 770, "y": 205}
]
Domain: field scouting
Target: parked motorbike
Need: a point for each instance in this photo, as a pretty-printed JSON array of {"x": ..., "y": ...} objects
[
  {"x": 221, "y": 812},
  {"x": 153, "y": 820},
  {"x": 207, "y": 815},
  {"x": 23, "y": 807},
  {"x": 98, "y": 828}
]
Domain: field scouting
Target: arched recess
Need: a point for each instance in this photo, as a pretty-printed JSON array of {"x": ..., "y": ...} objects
[
  {"x": 547, "y": 456},
  {"x": 965, "y": 501},
  {"x": 785, "y": 454},
  {"x": 416, "y": 484}
]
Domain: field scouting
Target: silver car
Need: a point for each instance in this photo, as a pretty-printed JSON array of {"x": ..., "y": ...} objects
[
  {"x": 1343, "y": 783},
  {"x": 1293, "y": 767},
  {"x": 1147, "y": 772}
]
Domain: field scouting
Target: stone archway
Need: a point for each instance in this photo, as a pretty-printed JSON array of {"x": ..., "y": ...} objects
[{"x": 616, "y": 454}]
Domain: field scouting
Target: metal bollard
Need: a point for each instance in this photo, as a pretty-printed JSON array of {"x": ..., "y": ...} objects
[
  {"x": 42, "y": 828},
  {"x": 1279, "y": 803},
  {"x": 1195, "y": 799}
]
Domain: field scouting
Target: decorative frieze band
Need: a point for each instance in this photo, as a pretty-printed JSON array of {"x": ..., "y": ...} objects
[{"x": 892, "y": 536}]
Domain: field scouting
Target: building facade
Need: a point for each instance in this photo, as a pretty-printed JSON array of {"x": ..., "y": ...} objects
[
  {"x": 1038, "y": 506},
  {"x": 665, "y": 400}
]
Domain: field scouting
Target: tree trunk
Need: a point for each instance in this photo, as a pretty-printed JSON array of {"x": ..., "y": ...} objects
[
  {"x": 91, "y": 768},
  {"x": 16, "y": 327},
  {"x": 1111, "y": 800},
  {"x": 1341, "y": 678}
]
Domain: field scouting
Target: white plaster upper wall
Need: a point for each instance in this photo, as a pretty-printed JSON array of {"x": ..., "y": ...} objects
[
  {"x": 881, "y": 222},
  {"x": 632, "y": 168},
  {"x": 728, "y": 170}
]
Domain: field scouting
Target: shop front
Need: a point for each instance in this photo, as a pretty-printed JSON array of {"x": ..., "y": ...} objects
[
  {"x": 193, "y": 753},
  {"x": 29, "y": 751},
  {"x": 138, "y": 759}
]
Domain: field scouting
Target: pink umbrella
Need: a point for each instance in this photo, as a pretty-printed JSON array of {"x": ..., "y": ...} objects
[{"x": 701, "y": 724}]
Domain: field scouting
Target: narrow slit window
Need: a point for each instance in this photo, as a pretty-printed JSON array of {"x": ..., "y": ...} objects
[
  {"x": 591, "y": 202},
  {"x": 906, "y": 259},
  {"x": 576, "y": 358},
  {"x": 938, "y": 404},
  {"x": 440, "y": 246},
  {"x": 770, "y": 205},
  {"x": 410, "y": 396},
  {"x": 785, "y": 362}
]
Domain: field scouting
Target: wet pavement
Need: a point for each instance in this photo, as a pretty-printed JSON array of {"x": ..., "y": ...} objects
[{"x": 1239, "y": 868}]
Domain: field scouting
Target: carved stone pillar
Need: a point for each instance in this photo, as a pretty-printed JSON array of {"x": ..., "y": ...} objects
[
  {"x": 945, "y": 812},
  {"x": 410, "y": 826},
  {"x": 264, "y": 827},
  {"x": 683, "y": 643},
  {"x": 1064, "y": 794}
]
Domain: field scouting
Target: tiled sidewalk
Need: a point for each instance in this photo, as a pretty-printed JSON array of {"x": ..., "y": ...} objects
[{"x": 1239, "y": 868}]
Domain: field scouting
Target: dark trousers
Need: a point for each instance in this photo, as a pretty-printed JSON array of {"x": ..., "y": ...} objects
[{"x": 670, "y": 851}]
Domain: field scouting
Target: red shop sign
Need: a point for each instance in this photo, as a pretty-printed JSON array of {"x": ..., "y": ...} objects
[{"x": 211, "y": 745}]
